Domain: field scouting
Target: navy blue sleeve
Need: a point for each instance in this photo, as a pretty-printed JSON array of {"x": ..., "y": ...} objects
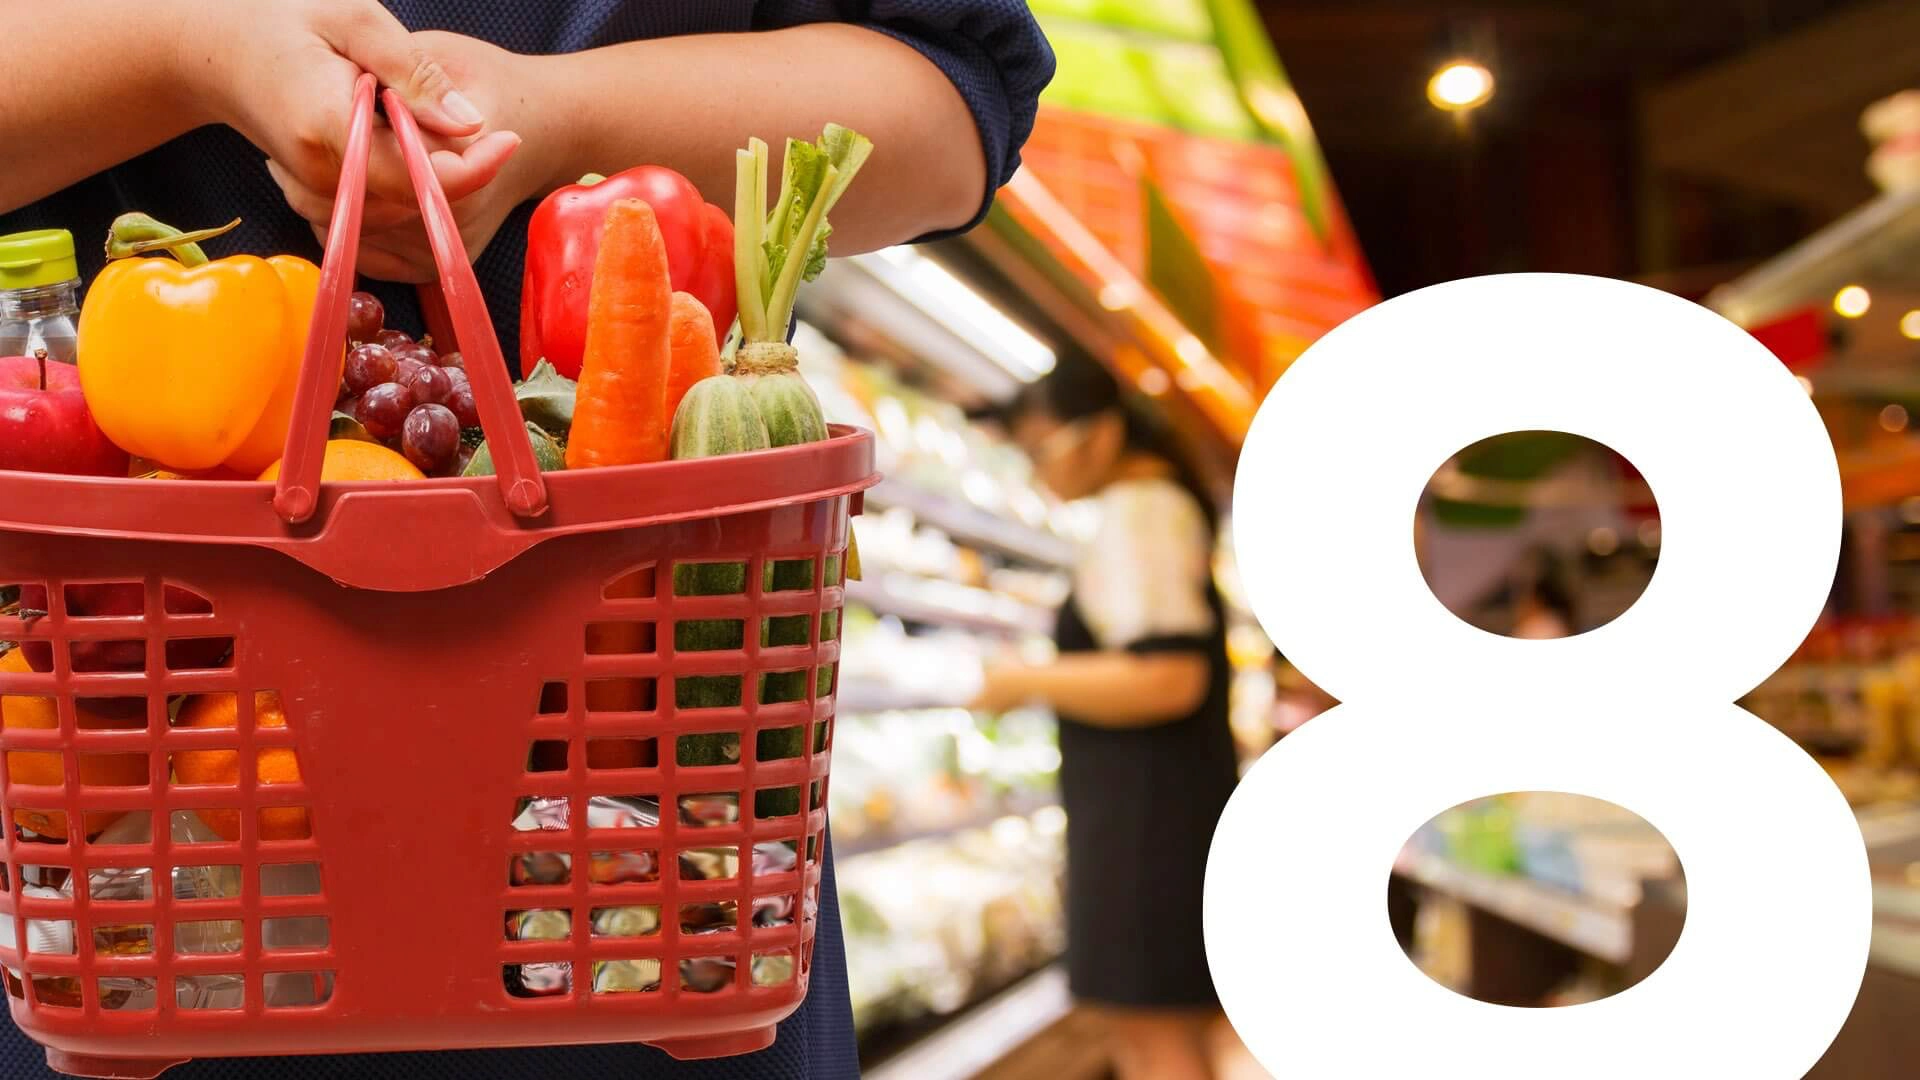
[{"x": 992, "y": 50}]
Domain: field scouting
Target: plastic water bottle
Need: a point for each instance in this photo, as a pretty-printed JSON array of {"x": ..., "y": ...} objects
[{"x": 39, "y": 295}]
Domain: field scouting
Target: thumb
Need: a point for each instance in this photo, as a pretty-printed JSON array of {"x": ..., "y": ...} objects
[
  {"x": 463, "y": 172},
  {"x": 381, "y": 46}
]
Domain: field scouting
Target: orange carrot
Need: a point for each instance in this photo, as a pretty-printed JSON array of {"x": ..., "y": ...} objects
[
  {"x": 620, "y": 412},
  {"x": 695, "y": 351}
]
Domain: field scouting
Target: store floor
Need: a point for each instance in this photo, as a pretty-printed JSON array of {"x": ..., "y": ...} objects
[{"x": 1074, "y": 1048}]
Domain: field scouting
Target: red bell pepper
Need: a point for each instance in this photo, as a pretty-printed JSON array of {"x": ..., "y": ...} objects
[{"x": 563, "y": 240}]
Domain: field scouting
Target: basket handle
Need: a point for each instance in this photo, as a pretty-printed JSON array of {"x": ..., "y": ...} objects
[{"x": 297, "y": 494}]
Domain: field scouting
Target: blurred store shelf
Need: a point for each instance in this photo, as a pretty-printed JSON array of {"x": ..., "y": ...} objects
[
  {"x": 883, "y": 839},
  {"x": 945, "y": 603},
  {"x": 865, "y": 697},
  {"x": 1056, "y": 259},
  {"x": 968, "y": 524},
  {"x": 1878, "y": 241},
  {"x": 970, "y": 1045},
  {"x": 927, "y": 312},
  {"x": 1881, "y": 826},
  {"x": 1601, "y": 930}
]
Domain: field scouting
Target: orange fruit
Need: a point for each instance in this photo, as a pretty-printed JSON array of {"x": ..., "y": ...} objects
[
  {"x": 353, "y": 459},
  {"x": 273, "y": 765},
  {"x": 211, "y": 474},
  {"x": 42, "y": 767}
]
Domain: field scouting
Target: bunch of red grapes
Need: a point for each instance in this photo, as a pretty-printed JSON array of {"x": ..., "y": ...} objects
[{"x": 406, "y": 395}]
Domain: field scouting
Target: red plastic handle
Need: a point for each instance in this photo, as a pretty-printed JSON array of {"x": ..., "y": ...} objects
[{"x": 297, "y": 494}]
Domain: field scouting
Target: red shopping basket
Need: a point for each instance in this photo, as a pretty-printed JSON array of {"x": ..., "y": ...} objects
[{"x": 475, "y": 760}]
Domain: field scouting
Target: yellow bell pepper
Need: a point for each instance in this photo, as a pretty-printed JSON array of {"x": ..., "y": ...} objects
[{"x": 189, "y": 363}]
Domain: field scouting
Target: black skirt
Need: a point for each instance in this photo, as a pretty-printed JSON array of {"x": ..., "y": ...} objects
[{"x": 1142, "y": 804}]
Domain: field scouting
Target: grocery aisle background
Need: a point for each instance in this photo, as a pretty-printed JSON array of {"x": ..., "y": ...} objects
[{"x": 1180, "y": 218}]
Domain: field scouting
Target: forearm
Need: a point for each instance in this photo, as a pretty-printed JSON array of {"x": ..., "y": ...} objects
[
  {"x": 689, "y": 102},
  {"x": 1112, "y": 688},
  {"x": 89, "y": 86}
]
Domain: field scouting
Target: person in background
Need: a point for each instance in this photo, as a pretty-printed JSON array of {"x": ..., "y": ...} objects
[
  {"x": 195, "y": 111},
  {"x": 1542, "y": 605},
  {"x": 1140, "y": 685}
]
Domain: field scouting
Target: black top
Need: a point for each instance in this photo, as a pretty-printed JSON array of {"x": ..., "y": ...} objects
[
  {"x": 992, "y": 50},
  {"x": 1142, "y": 803}
]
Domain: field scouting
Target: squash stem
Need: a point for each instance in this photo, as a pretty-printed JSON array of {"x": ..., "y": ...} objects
[{"x": 135, "y": 234}]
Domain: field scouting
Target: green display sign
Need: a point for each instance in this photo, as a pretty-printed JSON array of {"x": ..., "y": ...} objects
[
  {"x": 1200, "y": 66},
  {"x": 1179, "y": 273}
]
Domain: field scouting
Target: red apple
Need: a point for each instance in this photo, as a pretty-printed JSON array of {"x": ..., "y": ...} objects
[
  {"x": 45, "y": 425},
  {"x": 127, "y": 654}
]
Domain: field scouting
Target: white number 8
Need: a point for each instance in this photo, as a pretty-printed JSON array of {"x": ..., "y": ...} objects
[{"x": 1637, "y": 712}]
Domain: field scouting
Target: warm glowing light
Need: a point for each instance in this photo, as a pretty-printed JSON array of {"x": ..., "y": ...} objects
[
  {"x": 968, "y": 315},
  {"x": 1603, "y": 541},
  {"x": 1154, "y": 382},
  {"x": 1116, "y": 297},
  {"x": 1460, "y": 85},
  {"x": 1649, "y": 532},
  {"x": 1894, "y": 417},
  {"x": 1805, "y": 384},
  {"x": 1852, "y": 301},
  {"x": 1910, "y": 325}
]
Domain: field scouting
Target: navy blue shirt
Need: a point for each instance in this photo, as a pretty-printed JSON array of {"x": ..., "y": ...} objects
[{"x": 993, "y": 52}]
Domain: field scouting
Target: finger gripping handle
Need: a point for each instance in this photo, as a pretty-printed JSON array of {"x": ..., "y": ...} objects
[{"x": 297, "y": 494}]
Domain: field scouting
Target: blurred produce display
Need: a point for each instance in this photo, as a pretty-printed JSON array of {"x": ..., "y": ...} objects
[
  {"x": 913, "y": 772},
  {"x": 947, "y": 833},
  {"x": 936, "y": 924}
]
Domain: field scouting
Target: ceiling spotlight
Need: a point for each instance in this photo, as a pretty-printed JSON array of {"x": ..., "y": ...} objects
[
  {"x": 1852, "y": 301},
  {"x": 1460, "y": 85}
]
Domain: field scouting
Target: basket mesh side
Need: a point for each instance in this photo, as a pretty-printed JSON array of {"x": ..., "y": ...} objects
[
  {"x": 668, "y": 830},
  {"x": 622, "y": 803},
  {"x": 128, "y": 688}
]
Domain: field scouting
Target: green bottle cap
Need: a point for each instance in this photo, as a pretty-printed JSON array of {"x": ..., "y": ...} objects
[{"x": 30, "y": 260}]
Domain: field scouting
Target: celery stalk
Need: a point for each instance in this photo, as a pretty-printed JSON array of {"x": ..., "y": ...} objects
[
  {"x": 780, "y": 302},
  {"x": 778, "y": 247},
  {"x": 746, "y": 246}
]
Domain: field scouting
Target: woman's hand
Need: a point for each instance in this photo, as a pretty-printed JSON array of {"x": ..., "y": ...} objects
[
  {"x": 282, "y": 74},
  {"x": 115, "y": 78},
  {"x": 1111, "y": 688},
  {"x": 1003, "y": 687},
  {"x": 504, "y": 86}
]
